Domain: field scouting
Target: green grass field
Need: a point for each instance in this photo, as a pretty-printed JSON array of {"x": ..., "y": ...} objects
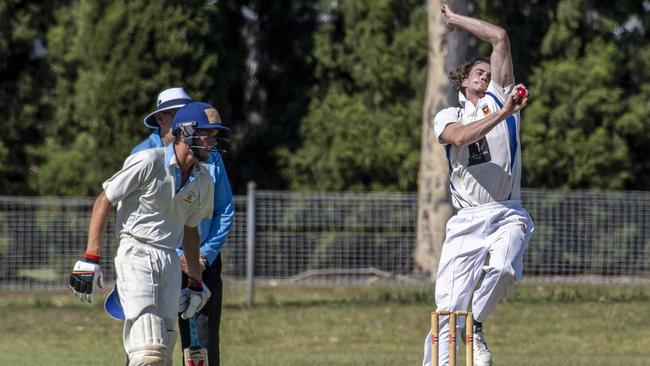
[{"x": 539, "y": 325}]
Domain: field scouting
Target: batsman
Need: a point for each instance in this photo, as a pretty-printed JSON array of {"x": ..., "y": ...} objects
[
  {"x": 213, "y": 232},
  {"x": 482, "y": 255},
  {"x": 161, "y": 194}
]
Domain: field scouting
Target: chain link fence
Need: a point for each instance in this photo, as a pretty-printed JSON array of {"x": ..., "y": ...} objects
[{"x": 344, "y": 238}]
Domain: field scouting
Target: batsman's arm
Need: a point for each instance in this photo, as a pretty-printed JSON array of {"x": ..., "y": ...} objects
[
  {"x": 195, "y": 295},
  {"x": 501, "y": 58},
  {"x": 98, "y": 218},
  {"x": 191, "y": 243},
  {"x": 87, "y": 273},
  {"x": 458, "y": 134}
]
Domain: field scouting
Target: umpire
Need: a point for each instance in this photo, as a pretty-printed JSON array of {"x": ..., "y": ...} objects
[{"x": 213, "y": 231}]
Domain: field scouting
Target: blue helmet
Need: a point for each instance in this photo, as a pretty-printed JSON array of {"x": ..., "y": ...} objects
[{"x": 198, "y": 116}]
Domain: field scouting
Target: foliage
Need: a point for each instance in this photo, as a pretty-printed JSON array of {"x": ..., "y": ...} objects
[
  {"x": 587, "y": 125},
  {"x": 279, "y": 37},
  {"x": 111, "y": 59},
  {"x": 526, "y": 23},
  {"x": 25, "y": 80},
  {"x": 321, "y": 95},
  {"x": 362, "y": 128}
]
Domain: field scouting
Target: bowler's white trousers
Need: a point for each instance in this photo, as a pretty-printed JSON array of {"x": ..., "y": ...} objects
[
  {"x": 484, "y": 242},
  {"x": 148, "y": 281}
]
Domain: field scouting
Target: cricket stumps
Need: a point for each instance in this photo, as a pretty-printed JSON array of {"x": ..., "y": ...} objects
[{"x": 469, "y": 336}]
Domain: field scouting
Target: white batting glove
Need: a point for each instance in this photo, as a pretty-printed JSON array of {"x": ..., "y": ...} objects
[
  {"x": 85, "y": 277},
  {"x": 192, "y": 300}
]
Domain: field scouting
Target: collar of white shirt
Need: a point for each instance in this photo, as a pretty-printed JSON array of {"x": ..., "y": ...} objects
[{"x": 172, "y": 163}]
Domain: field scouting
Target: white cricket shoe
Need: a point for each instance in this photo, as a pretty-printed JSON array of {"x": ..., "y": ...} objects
[{"x": 482, "y": 354}]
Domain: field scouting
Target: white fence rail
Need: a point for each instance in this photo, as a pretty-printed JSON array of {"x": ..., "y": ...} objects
[{"x": 344, "y": 238}]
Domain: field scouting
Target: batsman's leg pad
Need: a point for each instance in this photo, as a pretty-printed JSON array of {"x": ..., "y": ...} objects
[{"x": 148, "y": 341}]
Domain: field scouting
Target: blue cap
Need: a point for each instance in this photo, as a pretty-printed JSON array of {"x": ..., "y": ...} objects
[{"x": 198, "y": 115}]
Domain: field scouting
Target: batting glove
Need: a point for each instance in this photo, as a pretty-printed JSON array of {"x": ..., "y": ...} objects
[
  {"x": 192, "y": 300},
  {"x": 85, "y": 277}
]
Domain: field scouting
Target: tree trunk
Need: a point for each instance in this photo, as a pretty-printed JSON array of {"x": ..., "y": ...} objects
[{"x": 434, "y": 201}]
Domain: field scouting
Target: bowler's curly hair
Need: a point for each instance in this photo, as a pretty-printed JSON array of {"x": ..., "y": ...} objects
[{"x": 457, "y": 76}]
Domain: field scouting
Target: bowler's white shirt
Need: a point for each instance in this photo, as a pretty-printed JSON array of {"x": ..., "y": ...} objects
[
  {"x": 153, "y": 206},
  {"x": 492, "y": 173}
]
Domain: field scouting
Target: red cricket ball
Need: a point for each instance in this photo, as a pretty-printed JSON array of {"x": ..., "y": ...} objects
[{"x": 522, "y": 93}]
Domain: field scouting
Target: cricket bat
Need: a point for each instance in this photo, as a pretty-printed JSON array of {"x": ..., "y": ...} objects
[{"x": 195, "y": 355}]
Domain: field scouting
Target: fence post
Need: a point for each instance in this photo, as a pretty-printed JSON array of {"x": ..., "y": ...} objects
[{"x": 250, "y": 243}]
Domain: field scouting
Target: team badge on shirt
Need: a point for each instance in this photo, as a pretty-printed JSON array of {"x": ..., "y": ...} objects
[
  {"x": 485, "y": 109},
  {"x": 190, "y": 197}
]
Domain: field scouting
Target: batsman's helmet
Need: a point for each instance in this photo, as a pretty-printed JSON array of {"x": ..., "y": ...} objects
[{"x": 197, "y": 116}]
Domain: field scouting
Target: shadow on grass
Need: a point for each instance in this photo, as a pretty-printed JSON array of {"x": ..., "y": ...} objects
[
  {"x": 523, "y": 294},
  {"x": 292, "y": 297}
]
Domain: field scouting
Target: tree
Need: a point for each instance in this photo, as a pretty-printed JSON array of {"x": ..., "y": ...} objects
[
  {"x": 361, "y": 130},
  {"x": 526, "y": 23},
  {"x": 279, "y": 36},
  {"x": 25, "y": 82},
  {"x": 111, "y": 59},
  {"x": 586, "y": 126},
  {"x": 446, "y": 52}
]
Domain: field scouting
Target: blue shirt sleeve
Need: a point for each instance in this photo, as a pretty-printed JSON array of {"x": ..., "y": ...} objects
[
  {"x": 150, "y": 142},
  {"x": 215, "y": 231}
]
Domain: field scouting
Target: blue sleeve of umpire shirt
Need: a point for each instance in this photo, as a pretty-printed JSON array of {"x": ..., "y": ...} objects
[
  {"x": 150, "y": 142},
  {"x": 214, "y": 231}
]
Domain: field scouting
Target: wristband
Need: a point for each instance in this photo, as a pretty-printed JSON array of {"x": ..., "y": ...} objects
[
  {"x": 91, "y": 257},
  {"x": 196, "y": 288},
  {"x": 194, "y": 284}
]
